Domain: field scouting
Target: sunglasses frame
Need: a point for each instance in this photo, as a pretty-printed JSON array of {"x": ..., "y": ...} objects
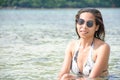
[{"x": 89, "y": 23}]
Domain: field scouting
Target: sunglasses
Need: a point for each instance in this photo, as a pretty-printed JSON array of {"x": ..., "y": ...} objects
[{"x": 88, "y": 23}]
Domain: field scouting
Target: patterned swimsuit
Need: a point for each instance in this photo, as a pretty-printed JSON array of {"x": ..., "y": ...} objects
[{"x": 87, "y": 67}]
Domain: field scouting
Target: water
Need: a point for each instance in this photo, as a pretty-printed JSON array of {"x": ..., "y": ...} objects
[{"x": 33, "y": 41}]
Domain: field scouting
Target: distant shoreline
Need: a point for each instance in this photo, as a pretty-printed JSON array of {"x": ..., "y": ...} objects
[{"x": 52, "y": 8}]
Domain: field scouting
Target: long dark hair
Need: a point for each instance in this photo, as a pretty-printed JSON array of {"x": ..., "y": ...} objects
[{"x": 100, "y": 34}]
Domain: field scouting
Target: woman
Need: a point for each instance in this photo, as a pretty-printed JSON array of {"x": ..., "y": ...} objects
[{"x": 88, "y": 56}]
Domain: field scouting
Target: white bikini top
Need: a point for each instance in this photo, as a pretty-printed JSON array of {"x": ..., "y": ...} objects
[{"x": 87, "y": 67}]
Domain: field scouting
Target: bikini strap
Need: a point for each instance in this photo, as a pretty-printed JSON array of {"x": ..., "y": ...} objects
[
  {"x": 91, "y": 53},
  {"x": 76, "y": 51}
]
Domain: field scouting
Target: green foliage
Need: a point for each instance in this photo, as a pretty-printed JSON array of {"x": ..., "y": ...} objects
[{"x": 59, "y": 3}]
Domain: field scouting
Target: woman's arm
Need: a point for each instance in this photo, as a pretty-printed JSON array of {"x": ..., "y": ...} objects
[
  {"x": 101, "y": 62},
  {"x": 67, "y": 61}
]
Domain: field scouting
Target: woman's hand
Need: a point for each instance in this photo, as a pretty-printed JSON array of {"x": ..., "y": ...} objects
[
  {"x": 71, "y": 77},
  {"x": 68, "y": 77}
]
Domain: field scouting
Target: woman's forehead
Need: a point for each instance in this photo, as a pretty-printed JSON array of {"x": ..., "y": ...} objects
[{"x": 87, "y": 15}]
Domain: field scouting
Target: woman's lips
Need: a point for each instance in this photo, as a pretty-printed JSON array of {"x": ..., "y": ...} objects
[{"x": 83, "y": 32}]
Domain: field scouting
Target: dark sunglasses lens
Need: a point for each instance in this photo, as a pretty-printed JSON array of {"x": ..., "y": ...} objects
[
  {"x": 80, "y": 21},
  {"x": 90, "y": 23}
]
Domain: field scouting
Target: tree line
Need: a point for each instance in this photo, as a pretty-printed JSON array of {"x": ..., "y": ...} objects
[{"x": 59, "y": 3}]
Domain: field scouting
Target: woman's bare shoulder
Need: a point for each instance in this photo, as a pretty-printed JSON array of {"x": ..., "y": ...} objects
[
  {"x": 102, "y": 46},
  {"x": 72, "y": 45},
  {"x": 73, "y": 42}
]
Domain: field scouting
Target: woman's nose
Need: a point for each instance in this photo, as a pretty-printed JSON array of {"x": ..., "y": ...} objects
[{"x": 84, "y": 25}]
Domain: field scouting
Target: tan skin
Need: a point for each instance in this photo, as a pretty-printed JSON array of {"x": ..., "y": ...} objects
[{"x": 100, "y": 56}]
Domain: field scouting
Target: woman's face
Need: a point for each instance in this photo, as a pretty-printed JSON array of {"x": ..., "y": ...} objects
[{"x": 86, "y": 25}]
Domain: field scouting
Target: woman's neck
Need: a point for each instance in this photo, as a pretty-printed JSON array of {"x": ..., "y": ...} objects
[{"x": 84, "y": 43}]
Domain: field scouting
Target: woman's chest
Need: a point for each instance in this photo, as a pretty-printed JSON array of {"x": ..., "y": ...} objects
[{"x": 83, "y": 57}]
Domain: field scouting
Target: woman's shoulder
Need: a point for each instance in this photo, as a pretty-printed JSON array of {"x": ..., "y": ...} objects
[
  {"x": 72, "y": 44},
  {"x": 102, "y": 46}
]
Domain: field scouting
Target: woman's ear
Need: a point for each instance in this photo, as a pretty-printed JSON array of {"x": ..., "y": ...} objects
[{"x": 97, "y": 27}]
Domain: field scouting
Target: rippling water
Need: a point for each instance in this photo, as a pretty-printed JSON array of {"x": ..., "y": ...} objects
[{"x": 32, "y": 42}]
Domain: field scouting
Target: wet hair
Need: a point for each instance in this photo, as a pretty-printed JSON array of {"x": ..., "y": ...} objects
[{"x": 100, "y": 33}]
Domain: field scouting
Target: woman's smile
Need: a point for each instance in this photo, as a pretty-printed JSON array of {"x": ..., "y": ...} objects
[{"x": 83, "y": 32}]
